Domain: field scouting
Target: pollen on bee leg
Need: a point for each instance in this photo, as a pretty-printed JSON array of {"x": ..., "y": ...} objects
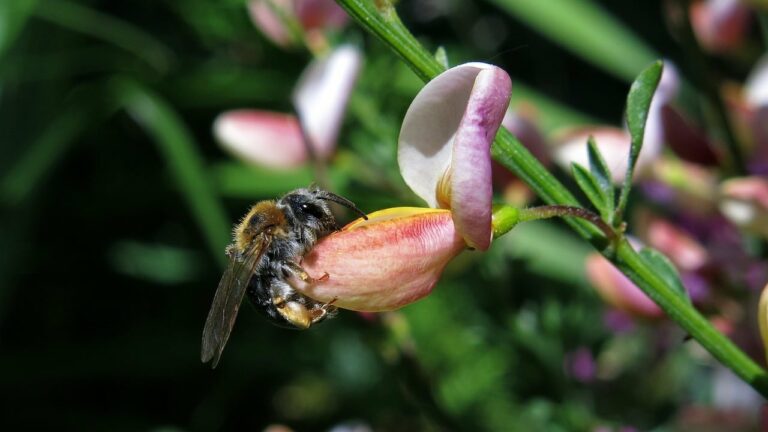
[{"x": 296, "y": 313}]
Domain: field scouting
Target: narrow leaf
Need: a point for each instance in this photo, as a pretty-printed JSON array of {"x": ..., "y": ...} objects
[
  {"x": 185, "y": 162},
  {"x": 13, "y": 16},
  {"x": 234, "y": 179},
  {"x": 131, "y": 38},
  {"x": 585, "y": 29},
  {"x": 86, "y": 107},
  {"x": 638, "y": 105},
  {"x": 666, "y": 270},
  {"x": 602, "y": 175},
  {"x": 591, "y": 188}
]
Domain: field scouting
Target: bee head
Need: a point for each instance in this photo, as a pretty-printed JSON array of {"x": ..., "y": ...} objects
[{"x": 310, "y": 207}]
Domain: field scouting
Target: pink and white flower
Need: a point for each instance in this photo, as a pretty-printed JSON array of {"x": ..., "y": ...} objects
[{"x": 397, "y": 255}]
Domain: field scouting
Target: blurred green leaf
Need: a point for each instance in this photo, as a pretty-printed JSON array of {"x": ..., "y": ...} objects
[
  {"x": 226, "y": 85},
  {"x": 585, "y": 29},
  {"x": 175, "y": 143},
  {"x": 87, "y": 105},
  {"x": 638, "y": 105},
  {"x": 154, "y": 262},
  {"x": 13, "y": 16},
  {"x": 551, "y": 114},
  {"x": 602, "y": 174},
  {"x": 123, "y": 34},
  {"x": 238, "y": 180},
  {"x": 666, "y": 270},
  {"x": 533, "y": 241},
  {"x": 591, "y": 187}
]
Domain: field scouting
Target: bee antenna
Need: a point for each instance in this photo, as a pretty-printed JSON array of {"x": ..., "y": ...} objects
[{"x": 330, "y": 196}]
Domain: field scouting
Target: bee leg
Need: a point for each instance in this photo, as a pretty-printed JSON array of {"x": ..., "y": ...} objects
[
  {"x": 327, "y": 310},
  {"x": 298, "y": 270}
]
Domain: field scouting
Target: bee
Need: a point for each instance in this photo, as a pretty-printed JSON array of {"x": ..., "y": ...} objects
[{"x": 263, "y": 258}]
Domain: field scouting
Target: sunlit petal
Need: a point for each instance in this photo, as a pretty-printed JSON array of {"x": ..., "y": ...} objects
[
  {"x": 388, "y": 261},
  {"x": 262, "y": 137}
]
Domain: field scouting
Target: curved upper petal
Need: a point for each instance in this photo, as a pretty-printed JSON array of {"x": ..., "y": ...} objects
[
  {"x": 392, "y": 259},
  {"x": 262, "y": 137},
  {"x": 321, "y": 96},
  {"x": 444, "y": 144}
]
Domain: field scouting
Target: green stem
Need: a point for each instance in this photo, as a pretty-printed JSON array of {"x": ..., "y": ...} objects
[{"x": 381, "y": 20}]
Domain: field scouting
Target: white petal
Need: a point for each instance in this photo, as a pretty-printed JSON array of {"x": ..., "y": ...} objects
[
  {"x": 429, "y": 126},
  {"x": 321, "y": 96}
]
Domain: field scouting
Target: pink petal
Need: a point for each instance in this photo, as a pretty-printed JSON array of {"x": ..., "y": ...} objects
[
  {"x": 394, "y": 258},
  {"x": 262, "y": 137},
  {"x": 720, "y": 25},
  {"x": 471, "y": 187},
  {"x": 265, "y": 19},
  {"x": 322, "y": 93},
  {"x": 315, "y": 14},
  {"x": 682, "y": 249},
  {"x": 618, "y": 291},
  {"x": 444, "y": 145}
]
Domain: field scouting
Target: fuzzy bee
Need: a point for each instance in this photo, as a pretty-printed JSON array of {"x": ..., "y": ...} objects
[{"x": 264, "y": 256}]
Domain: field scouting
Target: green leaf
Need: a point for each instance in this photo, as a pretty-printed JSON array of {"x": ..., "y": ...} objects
[
  {"x": 185, "y": 162},
  {"x": 238, "y": 180},
  {"x": 591, "y": 188},
  {"x": 131, "y": 38},
  {"x": 13, "y": 15},
  {"x": 553, "y": 114},
  {"x": 638, "y": 105},
  {"x": 585, "y": 29},
  {"x": 442, "y": 56},
  {"x": 666, "y": 270},
  {"x": 86, "y": 106},
  {"x": 602, "y": 175}
]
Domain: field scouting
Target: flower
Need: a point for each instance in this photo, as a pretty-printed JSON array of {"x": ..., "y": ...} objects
[
  {"x": 720, "y": 25},
  {"x": 313, "y": 16},
  {"x": 398, "y": 254},
  {"x": 618, "y": 291},
  {"x": 279, "y": 140},
  {"x": 744, "y": 201}
]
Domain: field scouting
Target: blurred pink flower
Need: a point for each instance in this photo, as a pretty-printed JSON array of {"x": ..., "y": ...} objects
[
  {"x": 280, "y": 140},
  {"x": 397, "y": 256},
  {"x": 522, "y": 124},
  {"x": 744, "y": 201},
  {"x": 618, "y": 291},
  {"x": 614, "y": 143},
  {"x": 720, "y": 25},
  {"x": 314, "y": 16}
]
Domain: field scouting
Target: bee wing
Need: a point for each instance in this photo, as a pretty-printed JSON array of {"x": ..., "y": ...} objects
[{"x": 226, "y": 301}]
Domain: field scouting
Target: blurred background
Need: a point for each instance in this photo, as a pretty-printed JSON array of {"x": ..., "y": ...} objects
[{"x": 117, "y": 201}]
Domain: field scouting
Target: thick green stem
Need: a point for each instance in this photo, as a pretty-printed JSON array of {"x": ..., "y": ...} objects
[{"x": 380, "y": 19}]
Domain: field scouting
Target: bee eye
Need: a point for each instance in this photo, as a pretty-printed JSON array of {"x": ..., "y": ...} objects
[{"x": 313, "y": 210}]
